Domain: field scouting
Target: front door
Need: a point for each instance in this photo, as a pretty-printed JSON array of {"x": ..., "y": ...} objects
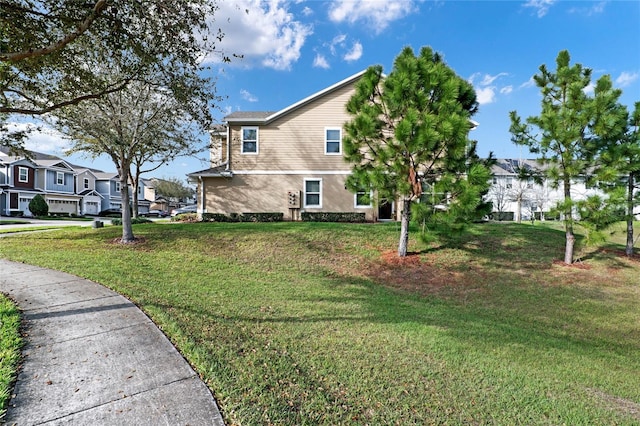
[{"x": 385, "y": 210}]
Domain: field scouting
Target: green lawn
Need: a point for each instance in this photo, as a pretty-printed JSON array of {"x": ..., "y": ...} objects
[
  {"x": 10, "y": 343},
  {"x": 298, "y": 323}
]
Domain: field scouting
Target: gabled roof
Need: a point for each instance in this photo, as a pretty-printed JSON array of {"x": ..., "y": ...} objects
[
  {"x": 54, "y": 163},
  {"x": 265, "y": 117},
  {"x": 105, "y": 176},
  {"x": 90, "y": 192}
]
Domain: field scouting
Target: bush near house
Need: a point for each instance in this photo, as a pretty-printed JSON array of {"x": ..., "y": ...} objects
[
  {"x": 244, "y": 217},
  {"x": 38, "y": 206},
  {"x": 333, "y": 217}
]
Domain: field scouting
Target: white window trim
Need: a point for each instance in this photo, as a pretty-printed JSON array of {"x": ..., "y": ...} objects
[
  {"x": 362, "y": 206},
  {"x": 304, "y": 196},
  {"x": 59, "y": 177},
  {"x": 26, "y": 178},
  {"x": 118, "y": 187},
  {"x": 257, "y": 129},
  {"x": 86, "y": 183},
  {"x": 339, "y": 129}
]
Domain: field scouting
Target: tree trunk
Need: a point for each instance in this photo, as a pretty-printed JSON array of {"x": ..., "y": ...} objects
[
  {"x": 569, "y": 244},
  {"x": 404, "y": 227},
  {"x": 568, "y": 224},
  {"x": 629, "y": 248},
  {"x": 127, "y": 229},
  {"x": 134, "y": 200}
]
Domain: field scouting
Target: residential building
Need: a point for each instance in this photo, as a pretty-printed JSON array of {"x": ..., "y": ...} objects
[
  {"x": 288, "y": 161},
  {"x": 518, "y": 199}
]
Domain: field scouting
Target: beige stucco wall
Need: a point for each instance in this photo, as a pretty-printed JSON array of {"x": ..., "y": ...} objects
[{"x": 268, "y": 193}]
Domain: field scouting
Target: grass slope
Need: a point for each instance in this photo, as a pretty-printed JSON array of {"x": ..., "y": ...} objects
[
  {"x": 298, "y": 323},
  {"x": 10, "y": 344}
]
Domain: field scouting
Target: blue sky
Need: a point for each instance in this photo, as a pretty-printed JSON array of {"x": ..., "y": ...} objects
[{"x": 292, "y": 49}]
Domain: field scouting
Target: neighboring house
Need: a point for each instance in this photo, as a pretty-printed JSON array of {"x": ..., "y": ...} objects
[
  {"x": 108, "y": 186},
  {"x": 56, "y": 179},
  {"x": 289, "y": 161},
  {"x": 19, "y": 188},
  {"x": 516, "y": 199},
  {"x": 86, "y": 187}
]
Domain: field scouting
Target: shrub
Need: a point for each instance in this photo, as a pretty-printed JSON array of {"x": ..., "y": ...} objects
[
  {"x": 185, "y": 217},
  {"x": 333, "y": 217},
  {"x": 244, "y": 217},
  {"x": 38, "y": 206},
  {"x": 134, "y": 221}
]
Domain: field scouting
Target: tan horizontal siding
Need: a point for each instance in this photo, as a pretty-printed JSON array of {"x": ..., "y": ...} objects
[{"x": 296, "y": 140}]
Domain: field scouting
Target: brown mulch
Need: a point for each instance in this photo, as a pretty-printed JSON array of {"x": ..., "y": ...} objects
[{"x": 136, "y": 240}]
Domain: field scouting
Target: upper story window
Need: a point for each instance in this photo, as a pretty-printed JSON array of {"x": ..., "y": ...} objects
[
  {"x": 313, "y": 193},
  {"x": 59, "y": 178},
  {"x": 86, "y": 183},
  {"x": 23, "y": 174},
  {"x": 249, "y": 140},
  {"x": 333, "y": 141},
  {"x": 117, "y": 186}
]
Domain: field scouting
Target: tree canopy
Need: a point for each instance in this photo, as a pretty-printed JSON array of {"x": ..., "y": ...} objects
[
  {"x": 409, "y": 132},
  {"x": 49, "y": 50}
]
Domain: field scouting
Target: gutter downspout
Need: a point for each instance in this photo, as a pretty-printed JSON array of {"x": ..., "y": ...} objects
[
  {"x": 201, "y": 201},
  {"x": 228, "y": 147}
]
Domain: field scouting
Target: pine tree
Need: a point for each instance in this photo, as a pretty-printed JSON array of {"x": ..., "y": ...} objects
[
  {"x": 410, "y": 131},
  {"x": 568, "y": 130}
]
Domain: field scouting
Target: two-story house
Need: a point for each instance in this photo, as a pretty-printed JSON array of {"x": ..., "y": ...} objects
[
  {"x": 91, "y": 203},
  {"x": 56, "y": 179},
  {"x": 287, "y": 161},
  {"x": 108, "y": 186},
  {"x": 517, "y": 198},
  {"x": 18, "y": 185}
]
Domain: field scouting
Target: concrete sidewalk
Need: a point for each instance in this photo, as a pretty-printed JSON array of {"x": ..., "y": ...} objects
[{"x": 93, "y": 358}]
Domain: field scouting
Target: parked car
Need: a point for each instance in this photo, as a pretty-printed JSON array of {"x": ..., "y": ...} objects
[
  {"x": 186, "y": 209},
  {"x": 155, "y": 213},
  {"x": 110, "y": 213}
]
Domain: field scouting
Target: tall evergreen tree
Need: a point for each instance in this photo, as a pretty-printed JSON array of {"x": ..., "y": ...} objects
[
  {"x": 568, "y": 130},
  {"x": 618, "y": 169},
  {"x": 410, "y": 130}
]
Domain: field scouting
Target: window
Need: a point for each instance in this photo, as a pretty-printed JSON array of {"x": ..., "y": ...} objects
[
  {"x": 59, "y": 178},
  {"x": 249, "y": 140},
  {"x": 86, "y": 183},
  {"x": 23, "y": 174},
  {"x": 332, "y": 141},
  {"x": 117, "y": 186},
  {"x": 363, "y": 199},
  {"x": 313, "y": 193}
]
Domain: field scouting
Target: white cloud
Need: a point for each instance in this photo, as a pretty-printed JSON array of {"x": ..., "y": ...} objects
[
  {"x": 541, "y": 6},
  {"x": 595, "y": 9},
  {"x": 529, "y": 83},
  {"x": 307, "y": 11},
  {"x": 41, "y": 138},
  {"x": 355, "y": 53},
  {"x": 485, "y": 89},
  {"x": 248, "y": 96},
  {"x": 590, "y": 88},
  {"x": 488, "y": 79},
  {"x": 261, "y": 32},
  {"x": 321, "y": 62},
  {"x": 377, "y": 13},
  {"x": 506, "y": 90},
  {"x": 626, "y": 78},
  {"x": 486, "y": 95}
]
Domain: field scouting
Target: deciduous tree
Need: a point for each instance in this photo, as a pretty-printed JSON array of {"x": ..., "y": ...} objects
[
  {"x": 48, "y": 48},
  {"x": 140, "y": 125}
]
